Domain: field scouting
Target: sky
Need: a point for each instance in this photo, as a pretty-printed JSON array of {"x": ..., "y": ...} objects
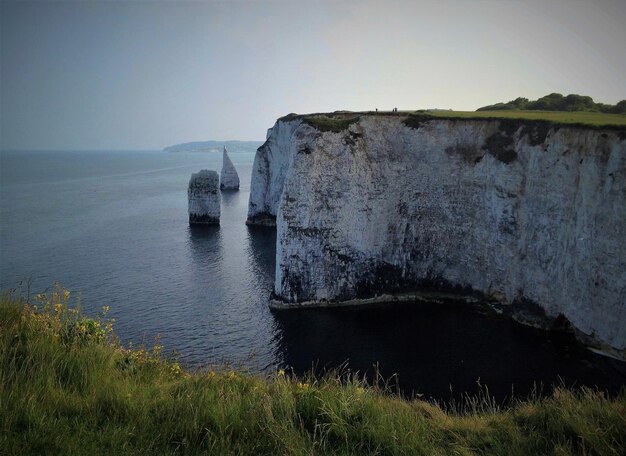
[{"x": 145, "y": 75}]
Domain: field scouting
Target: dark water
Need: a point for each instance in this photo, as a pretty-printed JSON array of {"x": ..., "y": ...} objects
[{"x": 113, "y": 225}]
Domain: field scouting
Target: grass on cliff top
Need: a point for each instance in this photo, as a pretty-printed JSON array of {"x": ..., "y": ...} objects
[
  {"x": 67, "y": 386},
  {"x": 341, "y": 120},
  {"x": 596, "y": 119}
]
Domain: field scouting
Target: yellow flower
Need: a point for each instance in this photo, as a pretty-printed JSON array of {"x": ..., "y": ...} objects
[
  {"x": 302, "y": 386},
  {"x": 232, "y": 375},
  {"x": 105, "y": 309},
  {"x": 360, "y": 390},
  {"x": 176, "y": 369},
  {"x": 211, "y": 374},
  {"x": 281, "y": 372}
]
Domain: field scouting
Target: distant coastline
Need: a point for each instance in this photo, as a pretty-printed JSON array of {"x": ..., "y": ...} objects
[{"x": 211, "y": 146}]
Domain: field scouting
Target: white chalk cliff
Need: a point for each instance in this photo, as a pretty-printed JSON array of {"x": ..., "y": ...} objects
[
  {"x": 271, "y": 163},
  {"x": 204, "y": 198},
  {"x": 229, "y": 179},
  {"x": 529, "y": 213}
]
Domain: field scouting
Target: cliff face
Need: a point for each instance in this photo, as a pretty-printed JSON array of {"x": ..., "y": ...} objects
[
  {"x": 531, "y": 214},
  {"x": 271, "y": 163}
]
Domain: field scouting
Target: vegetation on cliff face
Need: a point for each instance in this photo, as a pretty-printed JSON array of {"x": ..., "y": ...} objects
[
  {"x": 67, "y": 386},
  {"x": 558, "y": 102}
]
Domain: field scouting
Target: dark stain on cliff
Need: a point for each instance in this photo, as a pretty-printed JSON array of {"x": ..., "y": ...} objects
[
  {"x": 403, "y": 209},
  {"x": 262, "y": 219},
  {"x": 305, "y": 150},
  {"x": 469, "y": 153},
  {"x": 351, "y": 138},
  {"x": 500, "y": 144},
  {"x": 537, "y": 131},
  {"x": 294, "y": 285},
  {"x": 387, "y": 278},
  {"x": 309, "y": 231},
  {"x": 382, "y": 278},
  {"x": 416, "y": 121},
  {"x": 507, "y": 223},
  {"x": 342, "y": 257}
]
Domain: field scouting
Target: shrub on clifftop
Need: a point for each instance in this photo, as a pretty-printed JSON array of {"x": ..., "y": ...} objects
[{"x": 557, "y": 102}]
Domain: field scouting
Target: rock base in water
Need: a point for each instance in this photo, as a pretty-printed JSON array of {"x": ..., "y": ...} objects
[
  {"x": 204, "y": 198},
  {"x": 195, "y": 219}
]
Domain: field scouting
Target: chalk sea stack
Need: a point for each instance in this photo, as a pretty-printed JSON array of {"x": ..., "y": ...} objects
[
  {"x": 229, "y": 179},
  {"x": 204, "y": 198},
  {"x": 528, "y": 213}
]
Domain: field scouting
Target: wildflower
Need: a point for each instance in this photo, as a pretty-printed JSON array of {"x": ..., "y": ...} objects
[
  {"x": 211, "y": 374},
  {"x": 360, "y": 390},
  {"x": 66, "y": 295},
  {"x": 176, "y": 369},
  {"x": 281, "y": 372},
  {"x": 232, "y": 375},
  {"x": 105, "y": 309},
  {"x": 302, "y": 386}
]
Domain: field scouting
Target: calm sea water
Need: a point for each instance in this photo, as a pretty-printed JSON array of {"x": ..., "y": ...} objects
[{"x": 113, "y": 226}]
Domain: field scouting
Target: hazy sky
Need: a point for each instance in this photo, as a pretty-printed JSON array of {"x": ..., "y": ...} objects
[{"x": 144, "y": 75}]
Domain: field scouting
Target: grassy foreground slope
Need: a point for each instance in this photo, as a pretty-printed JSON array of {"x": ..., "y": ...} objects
[{"x": 68, "y": 387}]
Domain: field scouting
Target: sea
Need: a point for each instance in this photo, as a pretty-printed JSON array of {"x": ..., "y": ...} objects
[{"x": 112, "y": 227}]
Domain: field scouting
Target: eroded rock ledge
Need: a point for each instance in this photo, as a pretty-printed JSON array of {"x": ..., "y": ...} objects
[{"x": 527, "y": 213}]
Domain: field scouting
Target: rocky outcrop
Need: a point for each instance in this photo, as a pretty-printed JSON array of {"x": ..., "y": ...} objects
[
  {"x": 204, "y": 198},
  {"x": 229, "y": 179},
  {"x": 530, "y": 214}
]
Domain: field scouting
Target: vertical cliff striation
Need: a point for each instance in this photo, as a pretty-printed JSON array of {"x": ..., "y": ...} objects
[
  {"x": 526, "y": 212},
  {"x": 269, "y": 170}
]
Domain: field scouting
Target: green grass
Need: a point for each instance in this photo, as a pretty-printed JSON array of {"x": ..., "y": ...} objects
[
  {"x": 341, "y": 120},
  {"x": 334, "y": 121},
  {"x": 595, "y": 119},
  {"x": 68, "y": 387},
  {"x": 334, "y": 124}
]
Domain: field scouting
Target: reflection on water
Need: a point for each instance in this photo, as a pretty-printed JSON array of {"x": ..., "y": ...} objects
[
  {"x": 262, "y": 252},
  {"x": 437, "y": 347},
  {"x": 206, "y": 251},
  {"x": 116, "y": 229}
]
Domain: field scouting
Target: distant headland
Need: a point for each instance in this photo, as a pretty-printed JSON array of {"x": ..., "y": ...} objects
[{"x": 212, "y": 146}]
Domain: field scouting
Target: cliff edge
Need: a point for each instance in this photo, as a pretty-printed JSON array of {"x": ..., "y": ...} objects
[{"x": 529, "y": 213}]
